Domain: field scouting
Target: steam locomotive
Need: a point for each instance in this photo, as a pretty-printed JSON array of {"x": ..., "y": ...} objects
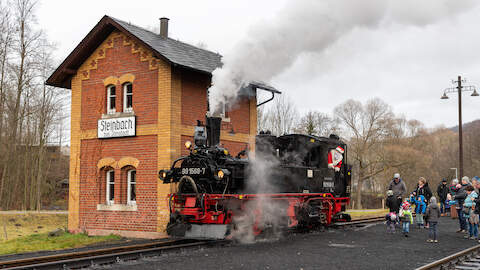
[{"x": 290, "y": 181}]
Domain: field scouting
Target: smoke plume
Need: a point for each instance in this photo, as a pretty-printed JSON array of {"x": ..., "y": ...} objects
[
  {"x": 312, "y": 26},
  {"x": 262, "y": 213}
]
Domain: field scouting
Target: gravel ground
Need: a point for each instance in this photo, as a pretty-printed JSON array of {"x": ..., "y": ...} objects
[{"x": 369, "y": 247}]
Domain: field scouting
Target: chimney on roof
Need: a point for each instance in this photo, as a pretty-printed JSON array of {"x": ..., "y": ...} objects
[{"x": 164, "y": 27}]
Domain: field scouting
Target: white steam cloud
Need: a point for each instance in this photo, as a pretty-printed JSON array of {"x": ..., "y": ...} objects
[
  {"x": 311, "y": 26},
  {"x": 263, "y": 213}
]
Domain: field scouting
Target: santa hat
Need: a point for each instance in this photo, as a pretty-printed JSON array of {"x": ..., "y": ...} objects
[{"x": 340, "y": 149}]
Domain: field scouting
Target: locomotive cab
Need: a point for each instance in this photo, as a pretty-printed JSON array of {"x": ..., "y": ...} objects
[{"x": 303, "y": 160}]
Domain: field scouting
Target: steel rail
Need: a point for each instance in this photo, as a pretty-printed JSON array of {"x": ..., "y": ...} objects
[
  {"x": 99, "y": 256},
  {"x": 449, "y": 262},
  {"x": 119, "y": 253},
  {"x": 360, "y": 221}
]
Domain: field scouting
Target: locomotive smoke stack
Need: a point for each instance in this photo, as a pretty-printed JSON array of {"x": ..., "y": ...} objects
[{"x": 213, "y": 130}]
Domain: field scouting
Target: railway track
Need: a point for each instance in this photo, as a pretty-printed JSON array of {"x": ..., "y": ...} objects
[
  {"x": 82, "y": 259},
  {"x": 465, "y": 259},
  {"x": 362, "y": 221},
  {"x": 75, "y": 260}
]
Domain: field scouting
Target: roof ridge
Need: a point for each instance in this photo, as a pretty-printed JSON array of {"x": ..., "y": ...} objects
[{"x": 172, "y": 39}]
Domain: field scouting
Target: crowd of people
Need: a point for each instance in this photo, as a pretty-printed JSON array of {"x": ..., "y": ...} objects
[{"x": 459, "y": 200}]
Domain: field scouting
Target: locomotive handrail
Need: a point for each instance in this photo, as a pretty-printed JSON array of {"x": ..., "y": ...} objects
[{"x": 177, "y": 160}]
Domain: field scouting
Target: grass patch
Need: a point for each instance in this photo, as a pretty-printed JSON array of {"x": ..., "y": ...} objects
[
  {"x": 38, "y": 242},
  {"x": 367, "y": 213},
  {"x": 19, "y": 225}
]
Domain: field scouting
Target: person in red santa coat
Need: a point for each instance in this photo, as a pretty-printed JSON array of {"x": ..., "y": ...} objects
[{"x": 335, "y": 157}]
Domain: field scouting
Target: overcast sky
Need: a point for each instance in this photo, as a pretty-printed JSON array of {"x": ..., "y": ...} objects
[{"x": 406, "y": 66}]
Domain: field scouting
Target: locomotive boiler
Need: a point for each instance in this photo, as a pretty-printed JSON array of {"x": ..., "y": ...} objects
[{"x": 290, "y": 181}]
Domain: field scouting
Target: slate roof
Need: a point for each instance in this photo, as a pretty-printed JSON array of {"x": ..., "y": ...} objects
[
  {"x": 173, "y": 51},
  {"x": 176, "y": 51}
]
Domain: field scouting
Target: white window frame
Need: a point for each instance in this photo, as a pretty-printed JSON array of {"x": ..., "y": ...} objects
[
  {"x": 109, "y": 96},
  {"x": 125, "y": 87},
  {"x": 223, "y": 113},
  {"x": 110, "y": 181},
  {"x": 129, "y": 187}
]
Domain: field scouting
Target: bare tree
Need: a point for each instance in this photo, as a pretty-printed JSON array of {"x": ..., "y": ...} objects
[
  {"x": 29, "y": 110},
  {"x": 368, "y": 127},
  {"x": 317, "y": 123},
  {"x": 281, "y": 117},
  {"x": 6, "y": 31}
]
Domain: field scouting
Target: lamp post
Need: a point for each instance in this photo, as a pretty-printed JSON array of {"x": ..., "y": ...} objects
[{"x": 459, "y": 89}]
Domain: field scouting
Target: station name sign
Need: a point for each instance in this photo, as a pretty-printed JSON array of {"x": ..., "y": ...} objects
[{"x": 116, "y": 127}]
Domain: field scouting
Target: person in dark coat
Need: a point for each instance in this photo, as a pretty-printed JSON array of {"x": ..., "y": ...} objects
[
  {"x": 442, "y": 191},
  {"x": 423, "y": 189},
  {"x": 397, "y": 185},
  {"x": 452, "y": 190},
  {"x": 432, "y": 215},
  {"x": 392, "y": 202},
  {"x": 476, "y": 211},
  {"x": 460, "y": 197}
]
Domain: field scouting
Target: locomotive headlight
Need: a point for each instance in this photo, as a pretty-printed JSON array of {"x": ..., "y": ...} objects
[
  {"x": 162, "y": 174},
  {"x": 188, "y": 144},
  {"x": 221, "y": 174}
]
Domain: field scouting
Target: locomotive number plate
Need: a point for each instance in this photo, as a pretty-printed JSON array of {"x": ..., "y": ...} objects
[
  {"x": 328, "y": 184},
  {"x": 195, "y": 171}
]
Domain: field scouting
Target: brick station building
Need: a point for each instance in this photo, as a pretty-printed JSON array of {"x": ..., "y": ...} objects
[{"x": 136, "y": 96}]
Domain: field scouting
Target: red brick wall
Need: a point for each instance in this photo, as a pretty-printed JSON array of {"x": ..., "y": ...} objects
[
  {"x": 194, "y": 97},
  {"x": 194, "y": 104},
  {"x": 240, "y": 116},
  {"x": 92, "y": 184},
  {"x": 119, "y": 61}
]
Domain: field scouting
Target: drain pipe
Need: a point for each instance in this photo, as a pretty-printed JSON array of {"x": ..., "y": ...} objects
[{"x": 268, "y": 100}]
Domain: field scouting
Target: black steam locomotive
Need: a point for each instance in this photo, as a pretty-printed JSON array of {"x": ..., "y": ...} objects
[{"x": 306, "y": 178}]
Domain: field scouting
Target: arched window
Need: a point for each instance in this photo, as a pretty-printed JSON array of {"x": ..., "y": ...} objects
[
  {"x": 111, "y": 96},
  {"x": 110, "y": 190},
  {"x": 127, "y": 97},
  {"x": 131, "y": 187}
]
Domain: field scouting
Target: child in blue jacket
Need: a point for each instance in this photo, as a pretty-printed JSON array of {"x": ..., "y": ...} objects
[{"x": 420, "y": 207}]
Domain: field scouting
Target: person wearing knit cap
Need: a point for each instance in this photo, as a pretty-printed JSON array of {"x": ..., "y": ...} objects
[
  {"x": 391, "y": 221},
  {"x": 474, "y": 183},
  {"x": 335, "y": 158},
  {"x": 469, "y": 212},
  {"x": 406, "y": 217},
  {"x": 397, "y": 185},
  {"x": 420, "y": 208},
  {"x": 460, "y": 197},
  {"x": 452, "y": 190},
  {"x": 432, "y": 215},
  {"x": 442, "y": 191},
  {"x": 392, "y": 202}
]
